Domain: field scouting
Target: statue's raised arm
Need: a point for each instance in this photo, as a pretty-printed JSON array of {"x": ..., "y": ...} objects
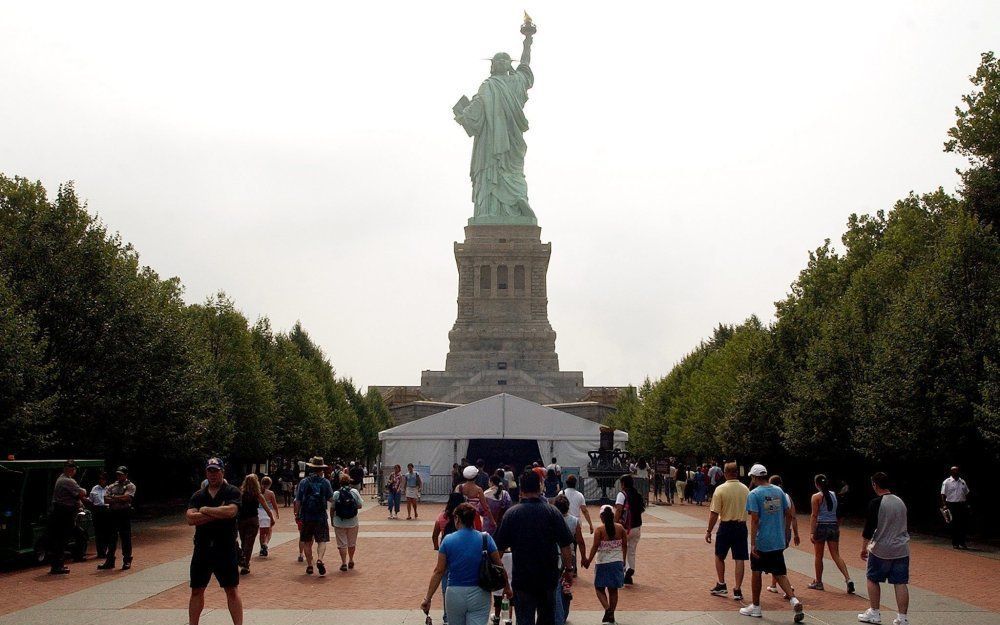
[
  {"x": 495, "y": 118},
  {"x": 528, "y": 30}
]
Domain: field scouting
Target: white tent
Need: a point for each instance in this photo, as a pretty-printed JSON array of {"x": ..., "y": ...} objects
[{"x": 443, "y": 438}]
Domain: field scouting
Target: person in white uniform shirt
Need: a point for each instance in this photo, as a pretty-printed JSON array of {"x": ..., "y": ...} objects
[
  {"x": 102, "y": 514},
  {"x": 954, "y": 496}
]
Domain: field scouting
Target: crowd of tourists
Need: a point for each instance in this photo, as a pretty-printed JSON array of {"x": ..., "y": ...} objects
[
  {"x": 529, "y": 526},
  {"x": 512, "y": 543},
  {"x": 220, "y": 512}
]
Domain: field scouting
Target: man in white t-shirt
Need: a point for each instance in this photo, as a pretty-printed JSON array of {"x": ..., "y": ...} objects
[
  {"x": 577, "y": 502},
  {"x": 671, "y": 482},
  {"x": 554, "y": 466},
  {"x": 954, "y": 495}
]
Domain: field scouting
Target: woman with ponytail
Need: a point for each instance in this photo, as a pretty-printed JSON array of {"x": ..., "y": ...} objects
[
  {"x": 608, "y": 552},
  {"x": 825, "y": 530}
]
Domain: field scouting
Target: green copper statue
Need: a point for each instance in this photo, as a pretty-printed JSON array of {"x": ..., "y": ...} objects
[{"x": 495, "y": 117}]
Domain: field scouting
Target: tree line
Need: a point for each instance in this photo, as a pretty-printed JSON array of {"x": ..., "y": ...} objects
[
  {"x": 885, "y": 353},
  {"x": 100, "y": 357}
]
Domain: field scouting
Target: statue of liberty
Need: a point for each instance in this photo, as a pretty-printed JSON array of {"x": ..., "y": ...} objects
[{"x": 495, "y": 117}]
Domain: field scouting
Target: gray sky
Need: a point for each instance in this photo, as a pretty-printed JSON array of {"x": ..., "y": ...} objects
[{"x": 683, "y": 158}]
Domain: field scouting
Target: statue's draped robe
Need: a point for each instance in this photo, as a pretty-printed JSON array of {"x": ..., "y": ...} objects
[{"x": 495, "y": 117}]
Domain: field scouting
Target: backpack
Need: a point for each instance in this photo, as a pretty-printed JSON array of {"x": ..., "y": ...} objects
[
  {"x": 626, "y": 518},
  {"x": 313, "y": 501},
  {"x": 345, "y": 506}
]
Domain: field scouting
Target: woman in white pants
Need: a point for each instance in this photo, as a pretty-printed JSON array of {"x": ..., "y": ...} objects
[{"x": 629, "y": 506}]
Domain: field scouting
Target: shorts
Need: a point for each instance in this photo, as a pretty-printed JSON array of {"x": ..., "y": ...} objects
[
  {"x": 318, "y": 531},
  {"x": 609, "y": 575},
  {"x": 263, "y": 519},
  {"x": 772, "y": 562},
  {"x": 412, "y": 492},
  {"x": 732, "y": 536},
  {"x": 346, "y": 536},
  {"x": 221, "y": 561},
  {"x": 894, "y": 571},
  {"x": 827, "y": 532}
]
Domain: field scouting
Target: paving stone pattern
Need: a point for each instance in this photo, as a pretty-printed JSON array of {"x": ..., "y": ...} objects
[{"x": 395, "y": 559}]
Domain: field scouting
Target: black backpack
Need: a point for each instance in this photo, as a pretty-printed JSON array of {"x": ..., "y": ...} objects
[
  {"x": 313, "y": 501},
  {"x": 345, "y": 506}
]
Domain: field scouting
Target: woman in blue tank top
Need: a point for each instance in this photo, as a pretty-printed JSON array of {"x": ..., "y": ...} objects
[{"x": 825, "y": 530}]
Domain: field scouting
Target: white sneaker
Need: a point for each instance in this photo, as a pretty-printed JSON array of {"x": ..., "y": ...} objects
[
  {"x": 870, "y": 616},
  {"x": 901, "y": 619},
  {"x": 752, "y": 610},
  {"x": 797, "y": 610},
  {"x": 773, "y": 589}
]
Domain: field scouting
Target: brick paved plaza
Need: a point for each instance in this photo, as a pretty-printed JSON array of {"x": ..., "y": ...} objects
[{"x": 395, "y": 559}]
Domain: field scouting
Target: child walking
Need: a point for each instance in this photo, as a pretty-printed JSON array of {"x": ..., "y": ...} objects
[{"x": 608, "y": 552}]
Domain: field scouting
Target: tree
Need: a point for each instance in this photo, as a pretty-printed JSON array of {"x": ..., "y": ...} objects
[
  {"x": 27, "y": 398},
  {"x": 116, "y": 341},
  {"x": 250, "y": 393},
  {"x": 345, "y": 441},
  {"x": 976, "y": 135}
]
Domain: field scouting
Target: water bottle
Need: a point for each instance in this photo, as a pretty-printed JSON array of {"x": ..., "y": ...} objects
[{"x": 505, "y": 607}]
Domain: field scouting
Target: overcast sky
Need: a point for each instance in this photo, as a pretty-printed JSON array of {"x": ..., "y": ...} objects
[{"x": 683, "y": 158}]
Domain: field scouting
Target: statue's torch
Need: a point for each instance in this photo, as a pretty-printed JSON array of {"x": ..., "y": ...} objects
[{"x": 528, "y": 28}]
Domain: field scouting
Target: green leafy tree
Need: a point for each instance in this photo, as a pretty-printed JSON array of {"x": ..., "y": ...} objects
[
  {"x": 130, "y": 375},
  {"x": 27, "y": 399},
  {"x": 976, "y": 135},
  {"x": 345, "y": 439},
  {"x": 249, "y": 391}
]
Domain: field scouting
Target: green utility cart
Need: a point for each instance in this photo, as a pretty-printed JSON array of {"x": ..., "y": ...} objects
[{"x": 25, "y": 501}]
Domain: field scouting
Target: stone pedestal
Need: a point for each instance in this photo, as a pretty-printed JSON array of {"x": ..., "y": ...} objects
[{"x": 502, "y": 340}]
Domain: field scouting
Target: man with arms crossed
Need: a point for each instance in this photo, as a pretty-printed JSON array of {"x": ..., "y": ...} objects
[
  {"x": 729, "y": 508},
  {"x": 67, "y": 501},
  {"x": 768, "y": 510},
  {"x": 213, "y": 511}
]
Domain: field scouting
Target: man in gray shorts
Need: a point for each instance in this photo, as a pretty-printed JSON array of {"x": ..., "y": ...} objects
[{"x": 887, "y": 552}]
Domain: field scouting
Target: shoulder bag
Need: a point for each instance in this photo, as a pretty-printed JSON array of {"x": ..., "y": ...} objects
[{"x": 492, "y": 576}]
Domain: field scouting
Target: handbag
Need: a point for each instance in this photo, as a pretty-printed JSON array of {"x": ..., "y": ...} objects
[{"x": 492, "y": 576}]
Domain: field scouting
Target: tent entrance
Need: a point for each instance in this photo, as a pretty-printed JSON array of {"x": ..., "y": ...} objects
[{"x": 503, "y": 451}]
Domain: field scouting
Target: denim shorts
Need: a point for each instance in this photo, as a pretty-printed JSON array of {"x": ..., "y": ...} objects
[
  {"x": 827, "y": 532},
  {"x": 894, "y": 571}
]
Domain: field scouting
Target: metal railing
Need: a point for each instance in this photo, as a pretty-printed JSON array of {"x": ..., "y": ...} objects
[{"x": 440, "y": 486}]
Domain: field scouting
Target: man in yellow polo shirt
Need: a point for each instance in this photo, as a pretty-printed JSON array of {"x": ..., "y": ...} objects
[{"x": 729, "y": 509}]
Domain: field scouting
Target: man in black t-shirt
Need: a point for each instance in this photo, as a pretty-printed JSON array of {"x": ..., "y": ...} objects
[
  {"x": 213, "y": 511},
  {"x": 536, "y": 533}
]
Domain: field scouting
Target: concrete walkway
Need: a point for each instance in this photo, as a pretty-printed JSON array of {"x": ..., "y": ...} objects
[{"x": 675, "y": 570}]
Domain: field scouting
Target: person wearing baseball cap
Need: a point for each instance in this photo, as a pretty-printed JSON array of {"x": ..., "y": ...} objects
[
  {"x": 67, "y": 500},
  {"x": 119, "y": 497},
  {"x": 768, "y": 509},
  {"x": 213, "y": 511}
]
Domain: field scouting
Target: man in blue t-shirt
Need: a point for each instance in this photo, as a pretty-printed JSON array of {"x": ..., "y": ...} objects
[{"x": 768, "y": 508}]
